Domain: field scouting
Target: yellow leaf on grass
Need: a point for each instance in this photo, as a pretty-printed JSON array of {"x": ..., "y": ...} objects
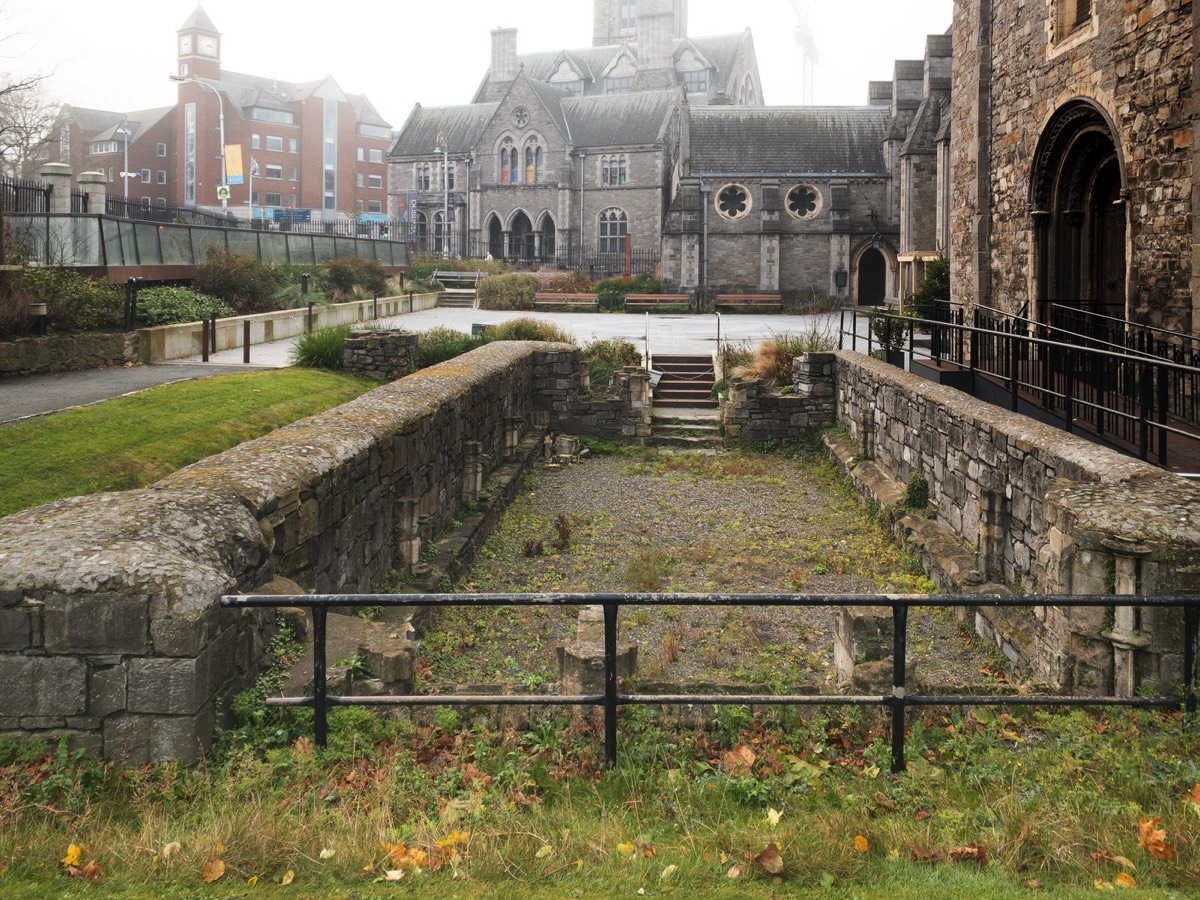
[
  {"x": 544, "y": 851},
  {"x": 1103, "y": 885},
  {"x": 737, "y": 870},
  {"x": 454, "y": 838},
  {"x": 1124, "y": 880},
  {"x": 72, "y": 857},
  {"x": 861, "y": 844},
  {"x": 327, "y": 854},
  {"x": 626, "y": 848},
  {"x": 1152, "y": 839},
  {"x": 213, "y": 870},
  {"x": 668, "y": 872},
  {"x": 773, "y": 816},
  {"x": 1125, "y": 863},
  {"x": 169, "y": 849},
  {"x": 252, "y": 880},
  {"x": 288, "y": 877}
]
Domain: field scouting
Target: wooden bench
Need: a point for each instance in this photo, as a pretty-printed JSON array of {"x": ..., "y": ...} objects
[
  {"x": 652, "y": 302},
  {"x": 568, "y": 301},
  {"x": 749, "y": 301}
]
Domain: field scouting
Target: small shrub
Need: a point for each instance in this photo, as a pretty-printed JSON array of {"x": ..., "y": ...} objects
[
  {"x": 612, "y": 291},
  {"x": 532, "y": 548},
  {"x": 74, "y": 302},
  {"x": 240, "y": 280},
  {"x": 525, "y": 329},
  {"x": 647, "y": 571},
  {"x": 603, "y": 358},
  {"x": 934, "y": 290},
  {"x": 916, "y": 492},
  {"x": 563, "y": 528},
  {"x": 321, "y": 349},
  {"x": 346, "y": 273},
  {"x": 503, "y": 292},
  {"x": 441, "y": 343},
  {"x": 173, "y": 305},
  {"x": 889, "y": 329}
]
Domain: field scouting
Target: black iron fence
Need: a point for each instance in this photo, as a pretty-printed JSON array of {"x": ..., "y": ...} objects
[
  {"x": 20, "y": 196},
  {"x": 80, "y": 201},
  {"x": 594, "y": 262},
  {"x": 1136, "y": 403},
  {"x": 898, "y": 701}
]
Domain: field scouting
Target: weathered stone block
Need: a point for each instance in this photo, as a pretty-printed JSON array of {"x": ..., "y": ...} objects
[
  {"x": 42, "y": 686},
  {"x": 95, "y": 623},
  {"x": 138, "y": 740},
  {"x": 15, "y": 629},
  {"x": 106, "y": 692},
  {"x": 175, "y": 686}
]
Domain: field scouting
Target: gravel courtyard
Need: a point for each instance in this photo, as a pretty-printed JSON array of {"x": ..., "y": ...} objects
[{"x": 738, "y": 521}]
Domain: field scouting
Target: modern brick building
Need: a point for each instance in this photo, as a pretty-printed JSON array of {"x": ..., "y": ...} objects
[
  {"x": 1074, "y": 158},
  {"x": 316, "y": 147}
]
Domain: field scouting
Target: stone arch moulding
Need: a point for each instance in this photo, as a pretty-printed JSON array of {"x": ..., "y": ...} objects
[
  {"x": 891, "y": 265},
  {"x": 514, "y": 214},
  {"x": 1080, "y": 220}
]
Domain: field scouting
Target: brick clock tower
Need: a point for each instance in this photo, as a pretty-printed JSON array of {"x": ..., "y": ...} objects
[{"x": 199, "y": 47}]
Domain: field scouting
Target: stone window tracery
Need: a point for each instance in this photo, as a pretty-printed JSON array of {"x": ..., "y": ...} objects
[
  {"x": 614, "y": 226},
  {"x": 803, "y": 201},
  {"x": 733, "y": 202},
  {"x": 614, "y": 170}
]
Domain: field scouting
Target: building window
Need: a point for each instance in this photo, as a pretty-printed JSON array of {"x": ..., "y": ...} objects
[
  {"x": 696, "y": 81},
  {"x": 293, "y": 173},
  {"x": 375, "y": 131},
  {"x": 803, "y": 201},
  {"x": 1071, "y": 15},
  {"x": 362, "y": 154},
  {"x": 359, "y": 179},
  {"x": 110, "y": 174},
  {"x": 628, "y": 15},
  {"x": 162, "y": 149},
  {"x": 374, "y": 206},
  {"x": 445, "y": 178},
  {"x": 189, "y": 154},
  {"x": 733, "y": 202},
  {"x": 274, "y": 142},
  {"x": 424, "y": 176},
  {"x": 277, "y": 116},
  {"x": 274, "y": 173},
  {"x": 255, "y": 142},
  {"x": 376, "y": 181},
  {"x": 64, "y": 144},
  {"x": 101, "y": 147},
  {"x": 274, "y": 199},
  {"x": 329, "y": 152},
  {"x": 618, "y": 84},
  {"x": 614, "y": 226},
  {"x": 162, "y": 176},
  {"x": 614, "y": 170},
  {"x": 291, "y": 200},
  {"x": 375, "y": 155},
  {"x": 293, "y": 147},
  {"x": 161, "y": 201},
  {"x": 145, "y": 203},
  {"x": 145, "y": 176}
]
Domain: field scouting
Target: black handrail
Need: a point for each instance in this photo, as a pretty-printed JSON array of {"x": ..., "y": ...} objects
[
  {"x": 898, "y": 700},
  {"x": 1131, "y": 397}
]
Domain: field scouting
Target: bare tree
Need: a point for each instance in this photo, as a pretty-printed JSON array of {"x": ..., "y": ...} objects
[{"x": 26, "y": 117}]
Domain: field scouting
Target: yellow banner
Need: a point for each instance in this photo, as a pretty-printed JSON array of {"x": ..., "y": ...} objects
[{"x": 233, "y": 164}]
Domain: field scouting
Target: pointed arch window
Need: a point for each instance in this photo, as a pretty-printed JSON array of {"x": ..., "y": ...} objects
[
  {"x": 514, "y": 166},
  {"x": 614, "y": 226},
  {"x": 614, "y": 170},
  {"x": 505, "y": 168}
]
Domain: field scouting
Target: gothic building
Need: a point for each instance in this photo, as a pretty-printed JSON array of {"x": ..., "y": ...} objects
[{"x": 1073, "y": 157}]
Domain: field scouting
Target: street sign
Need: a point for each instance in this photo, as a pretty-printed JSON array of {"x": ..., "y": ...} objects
[{"x": 222, "y": 192}]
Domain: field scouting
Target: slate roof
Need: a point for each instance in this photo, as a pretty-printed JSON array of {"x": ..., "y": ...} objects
[
  {"x": 462, "y": 125},
  {"x": 102, "y": 124},
  {"x": 245, "y": 92},
  {"x": 753, "y": 140},
  {"x": 620, "y": 120}
]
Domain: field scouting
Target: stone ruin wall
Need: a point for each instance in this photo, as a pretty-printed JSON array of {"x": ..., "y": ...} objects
[
  {"x": 1009, "y": 80},
  {"x": 110, "y": 630}
]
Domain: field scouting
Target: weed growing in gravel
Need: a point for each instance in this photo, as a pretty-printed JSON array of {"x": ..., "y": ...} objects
[{"x": 647, "y": 571}]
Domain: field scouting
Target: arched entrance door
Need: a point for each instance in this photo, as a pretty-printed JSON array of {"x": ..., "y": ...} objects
[
  {"x": 522, "y": 236},
  {"x": 1079, "y": 214},
  {"x": 872, "y": 278},
  {"x": 547, "y": 232},
  {"x": 495, "y": 238}
]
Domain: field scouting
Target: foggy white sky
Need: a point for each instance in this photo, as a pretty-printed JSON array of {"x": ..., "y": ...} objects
[{"x": 117, "y": 56}]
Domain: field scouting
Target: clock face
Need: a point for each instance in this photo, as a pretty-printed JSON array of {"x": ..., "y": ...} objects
[
  {"x": 185, "y": 44},
  {"x": 208, "y": 46}
]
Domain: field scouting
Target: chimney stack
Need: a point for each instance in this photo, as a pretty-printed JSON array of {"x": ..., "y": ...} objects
[{"x": 504, "y": 54}]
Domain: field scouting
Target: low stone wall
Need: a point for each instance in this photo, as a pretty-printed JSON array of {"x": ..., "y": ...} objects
[
  {"x": 67, "y": 353},
  {"x": 754, "y": 412},
  {"x": 1017, "y": 502},
  {"x": 177, "y": 341},
  {"x": 111, "y": 633},
  {"x": 381, "y": 355}
]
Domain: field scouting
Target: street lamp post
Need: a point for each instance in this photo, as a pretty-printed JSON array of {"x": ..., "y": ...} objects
[
  {"x": 445, "y": 151},
  {"x": 220, "y": 124},
  {"x": 124, "y": 130}
]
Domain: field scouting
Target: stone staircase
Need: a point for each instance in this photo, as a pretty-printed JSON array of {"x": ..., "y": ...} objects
[
  {"x": 686, "y": 383},
  {"x": 458, "y": 289},
  {"x": 694, "y": 429}
]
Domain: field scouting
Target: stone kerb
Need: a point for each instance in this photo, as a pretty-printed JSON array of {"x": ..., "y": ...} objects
[
  {"x": 111, "y": 633},
  {"x": 1047, "y": 511}
]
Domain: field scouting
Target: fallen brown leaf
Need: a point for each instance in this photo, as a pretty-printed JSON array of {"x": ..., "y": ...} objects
[
  {"x": 969, "y": 853},
  {"x": 769, "y": 859}
]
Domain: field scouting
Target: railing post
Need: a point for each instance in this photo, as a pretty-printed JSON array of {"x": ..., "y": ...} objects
[
  {"x": 1144, "y": 411},
  {"x": 212, "y": 334},
  {"x": 1162, "y": 415},
  {"x": 610, "y": 684},
  {"x": 1014, "y": 362},
  {"x": 1191, "y": 627},
  {"x": 899, "y": 684},
  {"x": 204, "y": 340},
  {"x": 1069, "y": 392},
  {"x": 246, "y": 341},
  {"x": 320, "y": 686}
]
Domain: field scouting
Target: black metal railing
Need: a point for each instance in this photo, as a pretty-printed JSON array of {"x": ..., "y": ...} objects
[
  {"x": 594, "y": 262},
  {"x": 80, "y": 201},
  {"x": 898, "y": 701},
  {"x": 21, "y": 196},
  {"x": 1137, "y": 404}
]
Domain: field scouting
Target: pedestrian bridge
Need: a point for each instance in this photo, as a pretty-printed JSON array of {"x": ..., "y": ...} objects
[{"x": 118, "y": 248}]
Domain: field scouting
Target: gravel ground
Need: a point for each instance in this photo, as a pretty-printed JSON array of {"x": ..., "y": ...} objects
[{"x": 731, "y": 522}]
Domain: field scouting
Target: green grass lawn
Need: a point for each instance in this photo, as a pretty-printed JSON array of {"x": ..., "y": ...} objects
[{"x": 133, "y": 441}]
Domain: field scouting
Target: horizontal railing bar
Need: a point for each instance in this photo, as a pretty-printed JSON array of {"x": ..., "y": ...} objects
[
  {"x": 448, "y": 700},
  {"x": 1028, "y": 700},
  {"x": 336, "y": 601}
]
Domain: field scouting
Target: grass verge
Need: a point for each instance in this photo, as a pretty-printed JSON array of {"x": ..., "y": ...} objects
[{"x": 133, "y": 441}]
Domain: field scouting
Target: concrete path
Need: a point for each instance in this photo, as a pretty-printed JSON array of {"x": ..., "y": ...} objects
[{"x": 696, "y": 335}]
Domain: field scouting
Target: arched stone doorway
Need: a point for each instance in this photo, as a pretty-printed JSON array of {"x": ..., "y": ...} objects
[
  {"x": 547, "y": 232},
  {"x": 495, "y": 238},
  {"x": 1079, "y": 214},
  {"x": 522, "y": 237},
  {"x": 872, "y": 278}
]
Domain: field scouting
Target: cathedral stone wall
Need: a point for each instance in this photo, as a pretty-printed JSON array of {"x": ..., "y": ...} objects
[{"x": 1012, "y": 72}]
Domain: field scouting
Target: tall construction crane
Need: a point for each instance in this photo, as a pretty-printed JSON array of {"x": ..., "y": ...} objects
[{"x": 807, "y": 42}]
